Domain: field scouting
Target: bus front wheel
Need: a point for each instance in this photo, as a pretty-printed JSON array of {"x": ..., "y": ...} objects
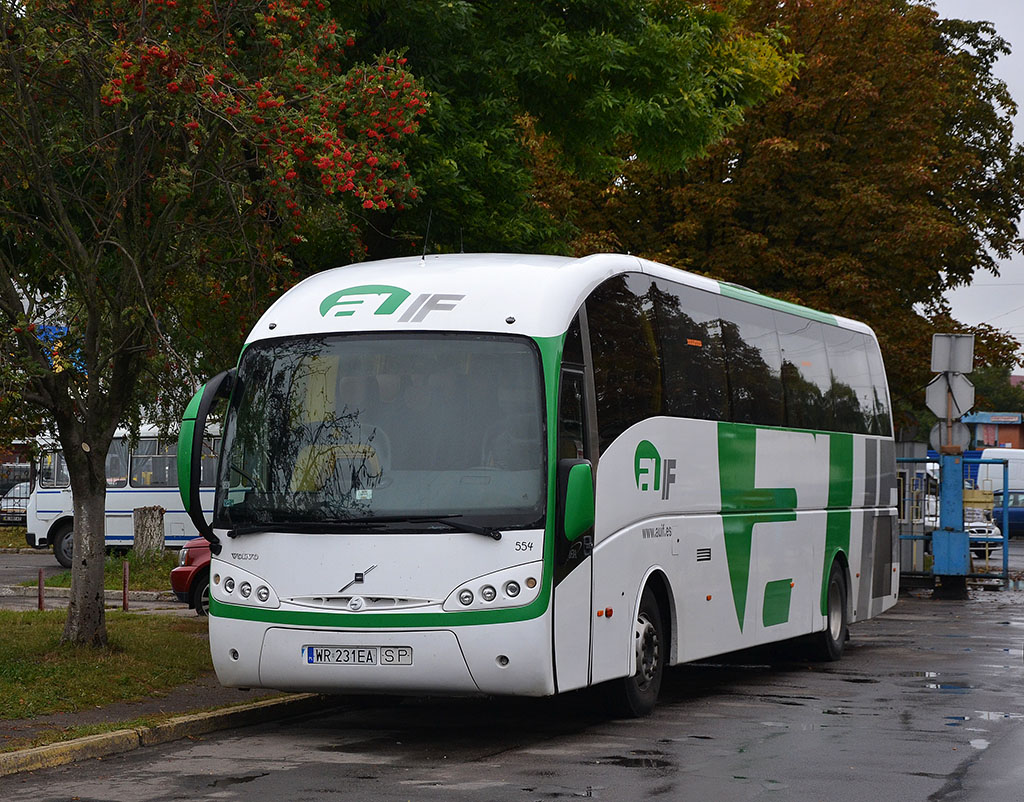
[
  {"x": 64, "y": 544},
  {"x": 637, "y": 695},
  {"x": 828, "y": 645}
]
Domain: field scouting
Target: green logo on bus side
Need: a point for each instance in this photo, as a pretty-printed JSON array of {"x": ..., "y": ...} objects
[{"x": 651, "y": 471}]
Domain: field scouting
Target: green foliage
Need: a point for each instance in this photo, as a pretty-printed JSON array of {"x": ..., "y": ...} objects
[
  {"x": 147, "y": 655},
  {"x": 993, "y": 390},
  {"x": 156, "y": 163},
  {"x": 882, "y": 176},
  {"x": 602, "y": 81}
]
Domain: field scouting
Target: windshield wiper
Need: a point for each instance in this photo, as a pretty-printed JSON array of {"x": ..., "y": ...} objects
[
  {"x": 443, "y": 519},
  {"x": 373, "y": 522}
]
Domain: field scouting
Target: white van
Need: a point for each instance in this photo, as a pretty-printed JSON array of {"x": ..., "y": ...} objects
[{"x": 990, "y": 477}]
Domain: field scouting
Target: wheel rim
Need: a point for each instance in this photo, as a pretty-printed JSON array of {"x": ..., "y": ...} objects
[
  {"x": 648, "y": 651},
  {"x": 835, "y": 611},
  {"x": 67, "y": 546}
]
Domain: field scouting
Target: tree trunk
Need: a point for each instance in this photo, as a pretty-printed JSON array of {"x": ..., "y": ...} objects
[
  {"x": 86, "y": 622},
  {"x": 148, "y": 523}
]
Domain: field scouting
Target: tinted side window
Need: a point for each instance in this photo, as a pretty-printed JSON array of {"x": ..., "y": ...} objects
[
  {"x": 881, "y": 419},
  {"x": 693, "y": 360},
  {"x": 572, "y": 351},
  {"x": 852, "y": 391},
  {"x": 753, "y": 362},
  {"x": 806, "y": 384},
  {"x": 627, "y": 372}
]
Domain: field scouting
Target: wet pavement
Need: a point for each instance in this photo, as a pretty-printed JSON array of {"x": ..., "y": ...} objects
[{"x": 926, "y": 705}]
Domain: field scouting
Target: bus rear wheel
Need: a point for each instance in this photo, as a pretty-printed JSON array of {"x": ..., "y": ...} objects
[
  {"x": 637, "y": 695},
  {"x": 64, "y": 544},
  {"x": 828, "y": 645}
]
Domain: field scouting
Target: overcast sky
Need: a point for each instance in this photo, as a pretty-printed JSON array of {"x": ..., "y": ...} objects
[{"x": 999, "y": 301}]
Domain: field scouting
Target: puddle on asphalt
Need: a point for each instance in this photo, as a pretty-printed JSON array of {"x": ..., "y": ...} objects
[
  {"x": 638, "y": 759},
  {"x": 956, "y": 721},
  {"x": 949, "y": 687},
  {"x": 979, "y": 743},
  {"x": 237, "y": 780}
]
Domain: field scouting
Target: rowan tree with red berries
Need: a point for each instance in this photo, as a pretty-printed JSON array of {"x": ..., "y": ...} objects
[{"x": 158, "y": 161}]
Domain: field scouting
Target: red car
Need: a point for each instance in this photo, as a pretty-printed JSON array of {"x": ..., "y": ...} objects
[{"x": 190, "y": 581}]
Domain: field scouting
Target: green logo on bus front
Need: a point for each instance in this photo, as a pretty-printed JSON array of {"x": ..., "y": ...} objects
[
  {"x": 652, "y": 473},
  {"x": 388, "y": 300}
]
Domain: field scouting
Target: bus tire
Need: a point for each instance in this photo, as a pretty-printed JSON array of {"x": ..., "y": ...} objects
[
  {"x": 199, "y": 595},
  {"x": 64, "y": 544},
  {"x": 827, "y": 646},
  {"x": 637, "y": 695}
]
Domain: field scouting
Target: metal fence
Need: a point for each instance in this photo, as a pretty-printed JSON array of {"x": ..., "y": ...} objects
[{"x": 918, "y": 481}]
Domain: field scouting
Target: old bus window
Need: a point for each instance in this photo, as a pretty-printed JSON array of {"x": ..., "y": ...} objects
[
  {"x": 881, "y": 420},
  {"x": 691, "y": 350},
  {"x": 627, "y": 373},
  {"x": 753, "y": 361},
  {"x": 154, "y": 463},
  {"x": 852, "y": 392},
  {"x": 117, "y": 463},
  {"x": 806, "y": 384},
  {"x": 53, "y": 470}
]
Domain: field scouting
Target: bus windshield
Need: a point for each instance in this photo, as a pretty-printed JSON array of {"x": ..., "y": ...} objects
[{"x": 385, "y": 431}]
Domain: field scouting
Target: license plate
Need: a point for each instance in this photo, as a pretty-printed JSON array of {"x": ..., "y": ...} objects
[{"x": 358, "y": 655}]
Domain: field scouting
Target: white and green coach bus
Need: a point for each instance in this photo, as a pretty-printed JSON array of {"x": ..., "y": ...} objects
[{"x": 500, "y": 474}]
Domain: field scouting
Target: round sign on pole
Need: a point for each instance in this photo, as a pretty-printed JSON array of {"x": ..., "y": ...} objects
[{"x": 960, "y": 436}]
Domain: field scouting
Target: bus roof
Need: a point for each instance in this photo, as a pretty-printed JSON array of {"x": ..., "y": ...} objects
[{"x": 503, "y": 293}]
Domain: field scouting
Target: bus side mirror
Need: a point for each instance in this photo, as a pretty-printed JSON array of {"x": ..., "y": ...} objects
[
  {"x": 576, "y": 482},
  {"x": 190, "y": 450}
]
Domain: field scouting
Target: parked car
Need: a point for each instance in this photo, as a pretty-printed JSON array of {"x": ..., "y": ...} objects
[
  {"x": 13, "y": 504},
  {"x": 190, "y": 581},
  {"x": 993, "y": 539},
  {"x": 1016, "y": 512}
]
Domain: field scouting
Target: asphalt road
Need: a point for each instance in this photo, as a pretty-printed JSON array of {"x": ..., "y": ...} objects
[{"x": 926, "y": 705}]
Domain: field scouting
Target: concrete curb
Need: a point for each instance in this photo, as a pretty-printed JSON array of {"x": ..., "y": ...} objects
[{"x": 120, "y": 741}]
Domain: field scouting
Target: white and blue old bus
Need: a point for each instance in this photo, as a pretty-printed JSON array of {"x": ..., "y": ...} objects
[
  {"x": 141, "y": 475},
  {"x": 498, "y": 474}
]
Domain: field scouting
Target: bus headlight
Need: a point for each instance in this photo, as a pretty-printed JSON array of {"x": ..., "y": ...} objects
[
  {"x": 234, "y": 585},
  {"x": 520, "y": 585}
]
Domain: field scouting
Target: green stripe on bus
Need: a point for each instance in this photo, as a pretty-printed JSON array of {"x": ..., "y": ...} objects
[
  {"x": 777, "y": 596},
  {"x": 345, "y": 620},
  {"x": 743, "y": 294},
  {"x": 840, "y": 494}
]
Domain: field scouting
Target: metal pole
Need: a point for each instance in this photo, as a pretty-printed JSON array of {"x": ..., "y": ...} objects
[
  {"x": 41, "y": 602},
  {"x": 124, "y": 586},
  {"x": 1006, "y": 522}
]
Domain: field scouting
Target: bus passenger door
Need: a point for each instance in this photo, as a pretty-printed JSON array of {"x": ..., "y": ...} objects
[{"x": 573, "y": 561}]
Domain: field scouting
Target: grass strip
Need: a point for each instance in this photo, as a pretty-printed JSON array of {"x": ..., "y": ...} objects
[
  {"x": 150, "y": 573},
  {"x": 12, "y": 537},
  {"x": 146, "y": 656}
]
